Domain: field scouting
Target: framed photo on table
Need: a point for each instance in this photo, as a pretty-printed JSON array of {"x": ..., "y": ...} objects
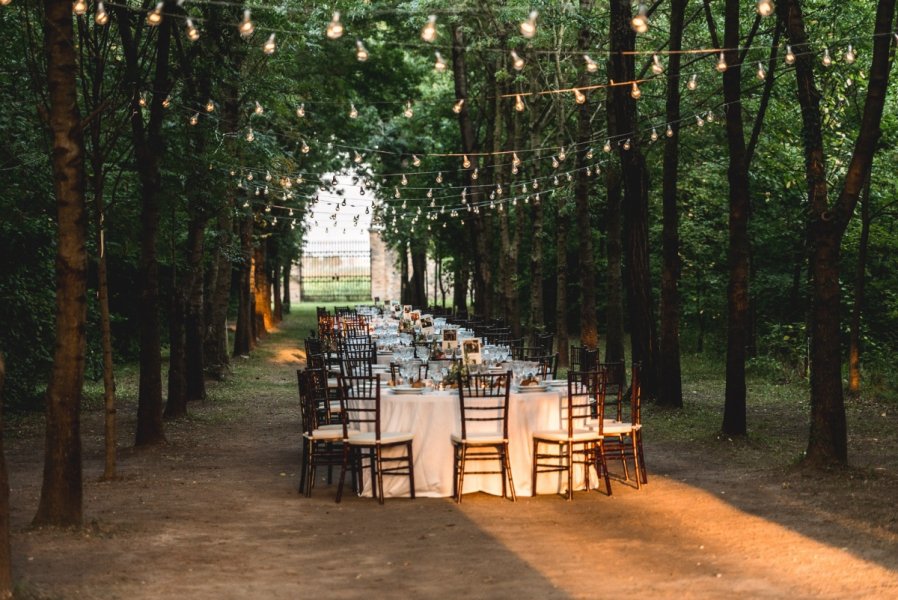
[
  {"x": 471, "y": 351},
  {"x": 450, "y": 340},
  {"x": 427, "y": 324}
]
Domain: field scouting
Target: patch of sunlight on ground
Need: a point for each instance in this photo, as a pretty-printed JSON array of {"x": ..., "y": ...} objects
[{"x": 289, "y": 356}]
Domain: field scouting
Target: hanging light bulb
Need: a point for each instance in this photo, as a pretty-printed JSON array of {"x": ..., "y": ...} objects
[
  {"x": 269, "y": 46},
  {"x": 562, "y": 154},
  {"x": 827, "y": 59},
  {"x": 640, "y": 21},
  {"x": 195, "y": 119},
  {"x": 416, "y": 162},
  {"x": 397, "y": 195},
  {"x": 589, "y": 154},
  {"x": 850, "y": 55},
  {"x": 693, "y": 82},
  {"x": 408, "y": 112},
  {"x": 101, "y": 17},
  {"x": 790, "y": 56},
  {"x": 635, "y": 92},
  {"x": 361, "y": 53},
  {"x": 335, "y": 27},
  {"x": 579, "y": 98},
  {"x": 627, "y": 144},
  {"x": 305, "y": 147},
  {"x": 528, "y": 27},
  {"x": 439, "y": 178},
  {"x": 607, "y": 147},
  {"x": 258, "y": 110},
  {"x": 301, "y": 111},
  {"x": 555, "y": 181},
  {"x": 761, "y": 73},
  {"x": 475, "y": 174},
  {"x": 404, "y": 180},
  {"x": 721, "y": 65},
  {"x": 591, "y": 65},
  {"x": 654, "y": 136},
  {"x": 357, "y": 158},
  {"x": 142, "y": 101},
  {"x": 154, "y": 17},
  {"x": 440, "y": 65},
  {"x": 459, "y": 104},
  {"x": 657, "y": 67},
  {"x": 429, "y": 31},
  {"x": 699, "y": 121},
  {"x": 555, "y": 163},
  {"x": 765, "y": 8},
  {"x": 193, "y": 34},
  {"x": 246, "y": 27},
  {"x": 79, "y": 7},
  {"x": 516, "y": 61},
  {"x": 519, "y": 103},
  {"x": 466, "y": 163},
  {"x": 710, "y": 117},
  {"x": 430, "y": 192},
  {"x": 514, "y": 159},
  {"x": 166, "y": 102},
  {"x": 670, "y": 131},
  {"x": 353, "y": 113}
]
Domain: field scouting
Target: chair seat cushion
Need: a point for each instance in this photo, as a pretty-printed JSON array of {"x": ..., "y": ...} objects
[
  {"x": 619, "y": 427},
  {"x": 479, "y": 438},
  {"x": 560, "y": 435},
  {"x": 368, "y": 438},
  {"x": 326, "y": 433}
]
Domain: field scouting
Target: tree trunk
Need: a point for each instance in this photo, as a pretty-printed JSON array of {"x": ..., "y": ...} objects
[
  {"x": 460, "y": 289},
  {"x": 614, "y": 335},
  {"x": 643, "y": 333},
  {"x": 5, "y": 554},
  {"x": 589, "y": 330},
  {"x": 860, "y": 280},
  {"x": 176, "y": 404},
  {"x": 561, "y": 234},
  {"x": 243, "y": 336},
  {"x": 61, "y": 491},
  {"x": 734, "y": 420},
  {"x": 285, "y": 299},
  {"x": 670, "y": 392},
  {"x": 194, "y": 315},
  {"x": 827, "y": 440},
  {"x": 419, "y": 272},
  {"x": 262, "y": 291},
  {"x": 278, "y": 314}
]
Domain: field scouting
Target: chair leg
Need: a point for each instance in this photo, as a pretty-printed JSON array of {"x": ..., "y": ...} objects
[
  {"x": 636, "y": 474},
  {"x": 600, "y": 449},
  {"x": 411, "y": 471},
  {"x": 642, "y": 470},
  {"x": 380, "y": 474},
  {"x": 461, "y": 474},
  {"x": 346, "y": 458},
  {"x": 533, "y": 473},
  {"x": 455, "y": 471},
  {"x": 302, "y": 472},
  {"x": 570, "y": 470},
  {"x": 507, "y": 469}
]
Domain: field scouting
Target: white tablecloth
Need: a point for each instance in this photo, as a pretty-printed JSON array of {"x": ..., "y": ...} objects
[{"x": 433, "y": 417}]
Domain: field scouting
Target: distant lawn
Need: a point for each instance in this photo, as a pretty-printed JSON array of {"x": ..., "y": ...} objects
[{"x": 357, "y": 288}]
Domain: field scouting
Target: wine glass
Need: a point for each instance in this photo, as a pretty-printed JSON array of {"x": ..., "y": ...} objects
[{"x": 437, "y": 375}]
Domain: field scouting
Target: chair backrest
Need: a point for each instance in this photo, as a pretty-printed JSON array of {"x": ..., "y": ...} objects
[
  {"x": 615, "y": 386},
  {"x": 585, "y": 390},
  {"x": 531, "y": 353},
  {"x": 351, "y": 366},
  {"x": 548, "y": 365},
  {"x": 423, "y": 369},
  {"x": 582, "y": 358},
  {"x": 360, "y": 404},
  {"x": 360, "y": 347},
  {"x": 312, "y": 398},
  {"x": 635, "y": 394},
  {"x": 483, "y": 399},
  {"x": 546, "y": 341}
]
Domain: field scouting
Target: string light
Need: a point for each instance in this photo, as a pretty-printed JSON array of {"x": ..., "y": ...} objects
[
  {"x": 654, "y": 136},
  {"x": 519, "y": 103},
  {"x": 699, "y": 121},
  {"x": 765, "y": 8},
  {"x": 657, "y": 67},
  {"x": 166, "y": 102},
  {"x": 195, "y": 119},
  {"x": 258, "y": 110},
  {"x": 250, "y": 136},
  {"x": 466, "y": 162},
  {"x": 404, "y": 180},
  {"x": 193, "y": 34},
  {"x": 353, "y": 113},
  {"x": 721, "y": 65},
  {"x": 850, "y": 55},
  {"x": 579, "y": 98},
  {"x": 827, "y": 59},
  {"x": 626, "y": 147},
  {"x": 416, "y": 162},
  {"x": 361, "y": 54},
  {"x": 591, "y": 65},
  {"x": 640, "y": 21},
  {"x": 301, "y": 111},
  {"x": 440, "y": 65},
  {"x": 154, "y": 17},
  {"x": 439, "y": 178},
  {"x": 761, "y": 73},
  {"x": 514, "y": 159},
  {"x": 670, "y": 132},
  {"x": 516, "y": 61},
  {"x": 335, "y": 27},
  {"x": 635, "y": 92},
  {"x": 790, "y": 56},
  {"x": 358, "y": 158},
  {"x": 429, "y": 31},
  {"x": 475, "y": 174},
  {"x": 528, "y": 27},
  {"x": 79, "y": 7},
  {"x": 607, "y": 147},
  {"x": 305, "y": 147},
  {"x": 562, "y": 155},
  {"x": 408, "y": 112},
  {"x": 456, "y": 108},
  {"x": 555, "y": 163},
  {"x": 269, "y": 46},
  {"x": 101, "y": 17},
  {"x": 693, "y": 82},
  {"x": 246, "y": 27}
]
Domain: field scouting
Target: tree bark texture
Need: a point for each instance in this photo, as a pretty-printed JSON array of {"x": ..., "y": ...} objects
[
  {"x": 61, "y": 491},
  {"x": 860, "y": 281},
  {"x": 614, "y": 334},
  {"x": 243, "y": 336},
  {"x": 5, "y": 554},
  {"x": 734, "y": 418},
  {"x": 262, "y": 291},
  {"x": 670, "y": 392}
]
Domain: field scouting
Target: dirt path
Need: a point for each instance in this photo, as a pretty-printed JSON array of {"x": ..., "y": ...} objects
[{"x": 215, "y": 514}]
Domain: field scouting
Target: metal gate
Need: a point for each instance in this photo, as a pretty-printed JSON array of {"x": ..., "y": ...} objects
[{"x": 335, "y": 271}]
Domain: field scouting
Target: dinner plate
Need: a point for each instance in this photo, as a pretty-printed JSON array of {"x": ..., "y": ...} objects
[
  {"x": 526, "y": 389},
  {"x": 402, "y": 389},
  {"x": 557, "y": 383}
]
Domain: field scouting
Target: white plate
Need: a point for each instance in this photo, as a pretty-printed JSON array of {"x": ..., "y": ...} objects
[
  {"x": 526, "y": 389},
  {"x": 558, "y": 383},
  {"x": 401, "y": 389}
]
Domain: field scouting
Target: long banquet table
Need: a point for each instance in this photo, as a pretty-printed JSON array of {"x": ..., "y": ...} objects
[{"x": 433, "y": 417}]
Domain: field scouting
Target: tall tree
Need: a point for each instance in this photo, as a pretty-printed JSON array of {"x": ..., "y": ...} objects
[
  {"x": 828, "y": 437},
  {"x": 5, "y": 557},
  {"x": 61, "y": 492}
]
